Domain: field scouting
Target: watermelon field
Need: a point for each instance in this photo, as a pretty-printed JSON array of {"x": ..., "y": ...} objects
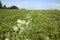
[{"x": 29, "y": 24}]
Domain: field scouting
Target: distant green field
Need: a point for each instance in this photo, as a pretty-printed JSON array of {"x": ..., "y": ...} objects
[{"x": 43, "y": 24}]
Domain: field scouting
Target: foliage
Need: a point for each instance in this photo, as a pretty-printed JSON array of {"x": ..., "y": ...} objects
[
  {"x": 4, "y": 7},
  {"x": 13, "y": 7},
  {"x": 0, "y": 5}
]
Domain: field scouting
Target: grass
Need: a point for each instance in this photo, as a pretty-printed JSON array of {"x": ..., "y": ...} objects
[{"x": 44, "y": 22}]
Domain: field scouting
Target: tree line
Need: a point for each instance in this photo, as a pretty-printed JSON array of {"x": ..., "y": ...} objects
[{"x": 4, "y": 6}]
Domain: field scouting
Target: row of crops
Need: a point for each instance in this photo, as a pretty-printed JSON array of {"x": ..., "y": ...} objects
[{"x": 29, "y": 24}]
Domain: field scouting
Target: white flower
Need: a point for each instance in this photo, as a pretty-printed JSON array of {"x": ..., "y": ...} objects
[
  {"x": 47, "y": 38},
  {"x": 26, "y": 23},
  {"x": 23, "y": 22},
  {"x": 15, "y": 28},
  {"x": 6, "y": 38},
  {"x": 20, "y": 21}
]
